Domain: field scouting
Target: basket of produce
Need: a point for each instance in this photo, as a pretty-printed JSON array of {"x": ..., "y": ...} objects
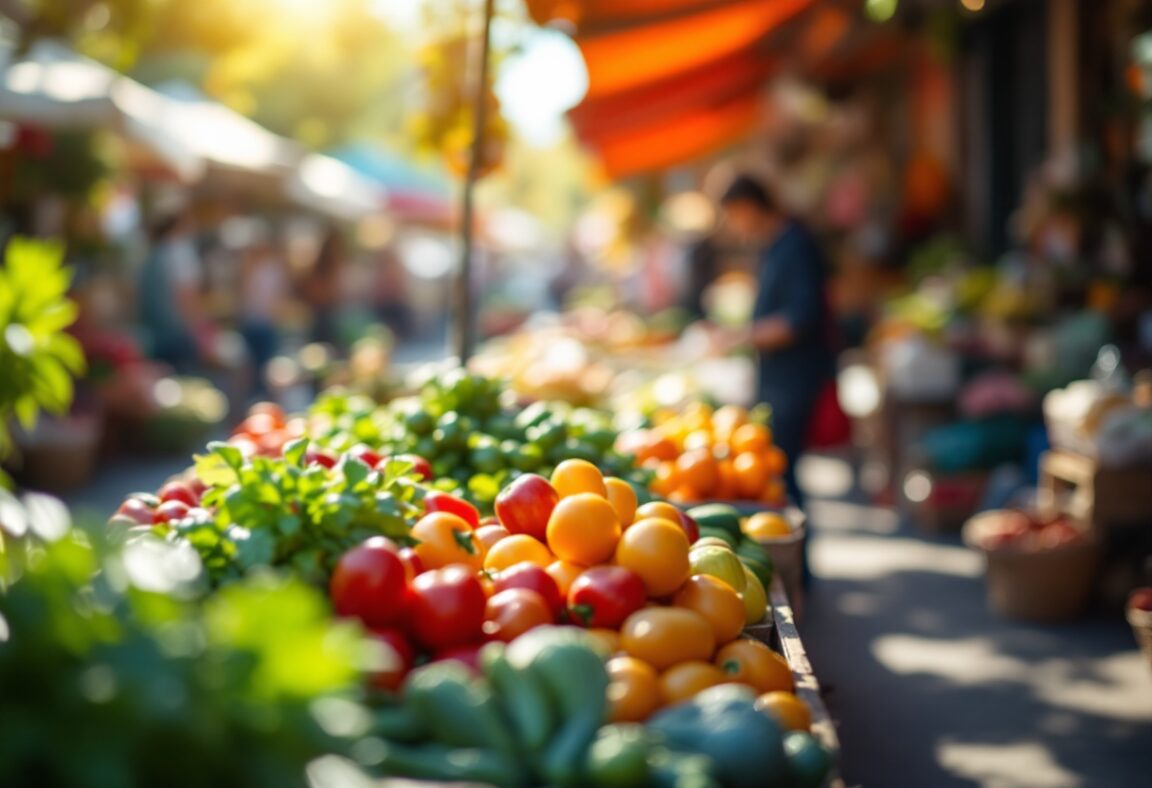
[
  {"x": 1039, "y": 568},
  {"x": 704, "y": 454},
  {"x": 1139, "y": 612},
  {"x": 774, "y": 538},
  {"x": 566, "y": 633}
]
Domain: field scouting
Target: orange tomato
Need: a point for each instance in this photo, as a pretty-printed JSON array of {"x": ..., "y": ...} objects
[
  {"x": 750, "y": 437},
  {"x": 698, "y": 439},
  {"x": 776, "y": 460},
  {"x": 792, "y": 713},
  {"x": 662, "y": 447},
  {"x": 573, "y": 477},
  {"x": 565, "y": 574},
  {"x": 622, "y": 496},
  {"x": 666, "y": 478},
  {"x": 750, "y": 662},
  {"x": 667, "y": 636},
  {"x": 717, "y": 601},
  {"x": 682, "y": 682},
  {"x": 490, "y": 535},
  {"x": 444, "y": 538},
  {"x": 660, "y": 509},
  {"x": 698, "y": 470},
  {"x": 775, "y": 494},
  {"x": 514, "y": 549},
  {"x": 583, "y": 529},
  {"x": 685, "y": 494},
  {"x": 726, "y": 488},
  {"x": 656, "y": 550},
  {"x": 752, "y": 474},
  {"x": 727, "y": 419},
  {"x": 633, "y": 690},
  {"x": 766, "y": 525}
]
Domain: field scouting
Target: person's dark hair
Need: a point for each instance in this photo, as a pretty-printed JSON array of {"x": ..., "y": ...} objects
[
  {"x": 747, "y": 189},
  {"x": 163, "y": 225}
]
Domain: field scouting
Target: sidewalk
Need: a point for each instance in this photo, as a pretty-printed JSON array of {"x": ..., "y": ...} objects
[{"x": 933, "y": 691}]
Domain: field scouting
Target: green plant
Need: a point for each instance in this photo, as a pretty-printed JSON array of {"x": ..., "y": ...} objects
[
  {"x": 116, "y": 674},
  {"x": 37, "y": 358}
]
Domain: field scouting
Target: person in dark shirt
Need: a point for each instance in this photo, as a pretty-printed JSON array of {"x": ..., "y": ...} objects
[{"x": 790, "y": 322}]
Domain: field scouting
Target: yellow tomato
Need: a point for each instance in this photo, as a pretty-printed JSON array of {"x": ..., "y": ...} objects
[
  {"x": 583, "y": 529},
  {"x": 622, "y": 496},
  {"x": 666, "y": 636},
  {"x": 573, "y": 477},
  {"x": 716, "y": 601},
  {"x": 515, "y": 549},
  {"x": 750, "y": 662},
  {"x": 656, "y": 550},
  {"x": 792, "y": 713}
]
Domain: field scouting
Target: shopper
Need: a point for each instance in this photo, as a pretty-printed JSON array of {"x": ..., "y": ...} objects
[
  {"x": 790, "y": 322},
  {"x": 322, "y": 287},
  {"x": 264, "y": 289},
  {"x": 171, "y": 309}
]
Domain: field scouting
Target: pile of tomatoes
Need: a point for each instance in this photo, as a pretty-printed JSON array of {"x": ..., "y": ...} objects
[
  {"x": 574, "y": 549},
  {"x": 705, "y": 454}
]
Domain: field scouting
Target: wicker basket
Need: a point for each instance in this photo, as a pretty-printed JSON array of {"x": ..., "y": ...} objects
[
  {"x": 1141, "y": 621},
  {"x": 1046, "y": 585}
]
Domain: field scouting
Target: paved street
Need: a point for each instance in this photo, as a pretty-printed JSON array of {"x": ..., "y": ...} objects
[{"x": 931, "y": 689}]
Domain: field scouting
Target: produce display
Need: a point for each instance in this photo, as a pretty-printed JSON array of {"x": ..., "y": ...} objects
[
  {"x": 563, "y": 628},
  {"x": 473, "y": 438},
  {"x": 1023, "y": 531},
  {"x": 704, "y": 454}
]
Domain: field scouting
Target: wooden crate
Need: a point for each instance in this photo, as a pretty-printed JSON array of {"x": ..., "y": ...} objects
[
  {"x": 1103, "y": 497},
  {"x": 785, "y": 639}
]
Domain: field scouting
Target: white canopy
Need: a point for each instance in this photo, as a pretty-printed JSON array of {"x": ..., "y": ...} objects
[
  {"x": 188, "y": 134},
  {"x": 55, "y": 87}
]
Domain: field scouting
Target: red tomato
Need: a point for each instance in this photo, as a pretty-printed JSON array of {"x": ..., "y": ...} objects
[
  {"x": 136, "y": 510},
  {"x": 197, "y": 487},
  {"x": 467, "y": 655},
  {"x": 179, "y": 491},
  {"x": 535, "y": 578},
  {"x": 420, "y": 466},
  {"x": 525, "y": 505},
  {"x": 398, "y": 658},
  {"x": 365, "y": 454},
  {"x": 446, "y": 607},
  {"x": 369, "y": 582},
  {"x": 513, "y": 612},
  {"x": 604, "y": 596},
  {"x": 169, "y": 511},
  {"x": 315, "y": 456},
  {"x": 413, "y": 566},
  {"x": 690, "y": 527},
  {"x": 436, "y": 501}
]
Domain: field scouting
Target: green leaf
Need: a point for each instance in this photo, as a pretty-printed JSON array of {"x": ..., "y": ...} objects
[
  {"x": 213, "y": 470},
  {"x": 254, "y": 548},
  {"x": 231, "y": 455},
  {"x": 294, "y": 452}
]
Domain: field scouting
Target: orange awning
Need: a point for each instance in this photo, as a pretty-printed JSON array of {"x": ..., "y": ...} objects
[
  {"x": 644, "y": 54},
  {"x": 588, "y": 16},
  {"x": 686, "y": 137},
  {"x": 713, "y": 84}
]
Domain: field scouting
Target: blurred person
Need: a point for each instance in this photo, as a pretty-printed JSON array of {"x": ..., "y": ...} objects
[
  {"x": 390, "y": 292},
  {"x": 171, "y": 307},
  {"x": 790, "y": 321},
  {"x": 322, "y": 288},
  {"x": 264, "y": 288},
  {"x": 702, "y": 260}
]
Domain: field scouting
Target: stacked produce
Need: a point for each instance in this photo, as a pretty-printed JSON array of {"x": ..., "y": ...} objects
[
  {"x": 474, "y": 441},
  {"x": 623, "y": 620},
  {"x": 705, "y": 454}
]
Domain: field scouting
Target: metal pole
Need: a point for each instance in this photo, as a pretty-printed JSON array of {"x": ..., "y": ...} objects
[{"x": 463, "y": 339}]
